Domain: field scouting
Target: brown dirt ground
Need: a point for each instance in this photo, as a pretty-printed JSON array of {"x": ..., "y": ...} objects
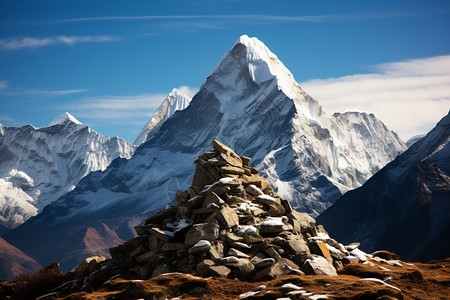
[{"x": 415, "y": 281}]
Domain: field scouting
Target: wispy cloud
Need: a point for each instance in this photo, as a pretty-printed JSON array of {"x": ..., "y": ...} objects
[
  {"x": 3, "y": 84},
  {"x": 128, "y": 109},
  {"x": 42, "y": 93},
  {"x": 188, "y": 91},
  {"x": 16, "y": 43},
  {"x": 246, "y": 17},
  {"x": 409, "y": 96}
]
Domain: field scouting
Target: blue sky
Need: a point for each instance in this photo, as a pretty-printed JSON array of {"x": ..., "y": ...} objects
[{"x": 111, "y": 63}]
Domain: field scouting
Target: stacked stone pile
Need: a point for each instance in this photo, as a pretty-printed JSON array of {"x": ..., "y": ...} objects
[{"x": 231, "y": 224}]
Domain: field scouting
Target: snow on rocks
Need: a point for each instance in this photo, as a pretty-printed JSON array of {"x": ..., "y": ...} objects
[{"x": 230, "y": 223}]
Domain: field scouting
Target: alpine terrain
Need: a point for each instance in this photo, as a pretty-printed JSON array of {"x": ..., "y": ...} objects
[
  {"x": 405, "y": 207},
  {"x": 175, "y": 101},
  {"x": 39, "y": 165},
  {"x": 251, "y": 102}
]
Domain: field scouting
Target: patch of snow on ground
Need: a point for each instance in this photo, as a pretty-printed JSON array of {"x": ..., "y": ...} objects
[{"x": 382, "y": 282}]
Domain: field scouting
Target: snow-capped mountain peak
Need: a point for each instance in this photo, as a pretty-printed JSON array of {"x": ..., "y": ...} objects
[
  {"x": 261, "y": 63},
  {"x": 175, "y": 101},
  {"x": 63, "y": 118}
]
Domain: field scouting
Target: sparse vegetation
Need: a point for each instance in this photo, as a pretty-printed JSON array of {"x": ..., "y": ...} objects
[{"x": 38, "y": 284}]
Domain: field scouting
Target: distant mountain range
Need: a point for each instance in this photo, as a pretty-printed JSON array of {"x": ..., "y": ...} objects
[
  {"x": 39, "y": 165},
  {"x": 405, "y": 207},
  {"x": 251, "y": 102}
]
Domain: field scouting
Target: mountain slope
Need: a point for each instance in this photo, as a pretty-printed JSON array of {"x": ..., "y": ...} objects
[
  {"x": 39, "y": 165},
  {"x": 175, "y": 101},
  {"x": 405, "y": 207},
  {"x": 251, "y": 102},
  {"x": 15, "y": 262}
]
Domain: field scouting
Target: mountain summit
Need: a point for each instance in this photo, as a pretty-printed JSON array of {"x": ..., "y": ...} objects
[
  {"x": 251, "y": 102},
  {"x": 64, "y": 118}
]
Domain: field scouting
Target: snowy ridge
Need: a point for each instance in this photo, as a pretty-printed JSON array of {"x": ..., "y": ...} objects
[
  {"x": 39, "y": 165},
  {"x": 411, "y": 194},
  {"x": 174, "y": 101}
]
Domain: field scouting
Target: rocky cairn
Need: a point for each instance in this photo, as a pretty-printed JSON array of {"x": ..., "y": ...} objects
[{"x": 231, "y": 224}]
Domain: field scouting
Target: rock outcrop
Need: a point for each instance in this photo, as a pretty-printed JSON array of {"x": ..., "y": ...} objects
[{"x": 231, "y": 224}]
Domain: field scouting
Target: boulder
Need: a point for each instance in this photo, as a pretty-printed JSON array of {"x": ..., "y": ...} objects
[{"x": 318, "y": 265}]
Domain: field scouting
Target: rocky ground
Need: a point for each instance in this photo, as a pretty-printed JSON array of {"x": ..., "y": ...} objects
[
  {"x": 230, "y": 237},
  {"x": 355, "y": 281}
]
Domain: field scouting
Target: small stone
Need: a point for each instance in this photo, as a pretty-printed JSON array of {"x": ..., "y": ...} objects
[
  {"x": 253, "y": 190},
  {"x": 211, "y": 208},
  {"x": 237, "y": 253},
  {"x": 203, "y": 267},
  {"x": 350, "y": 260},
  {"x": 320, "y": 248},
  {"x": 252, "y": 179},
  {"x": 221, "y": 148},
  {"x": 227, "y": 217},
  {"x": 160, "y": 234},
  {"x": 220, "y": 271},
  {"x": 245, "y": 161},
  {"x": 160, "y": 216},
  {"x": 172, "y": 246},
  {"x": 240, "y": 245},
  {"x": 232, "y": 170},
  {"x": 84, "y": 266},
  {"x": 143, "y": 229},
  {"x": 201, "y": 246},
  {"x": 386, "y": 255},
  {"x": 212, "y": 198},
  {"x": 204, "y": 231},
  {"x": 231, "y": 160},
  {"x": 143, "y": 258},
  {"x": 263, "y": 263},
  {"x": 307, "y": 223},
  {"x": 252, "y": 238},
  {"x": 214, "y": 253},
  {"x": 273, "y": 253}
]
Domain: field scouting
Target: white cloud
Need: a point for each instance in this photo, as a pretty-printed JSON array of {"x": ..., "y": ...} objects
[
  {"x": 126, "y": 109},
  {"x": 3, "y": 84},
  {"x": 17, "y": 43},
  {"x": 188, "y": 91},
  {"x": 409, "y": 96},
  {"x": 43, "y": 93},
  {"x": 247, "y": 17}
]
